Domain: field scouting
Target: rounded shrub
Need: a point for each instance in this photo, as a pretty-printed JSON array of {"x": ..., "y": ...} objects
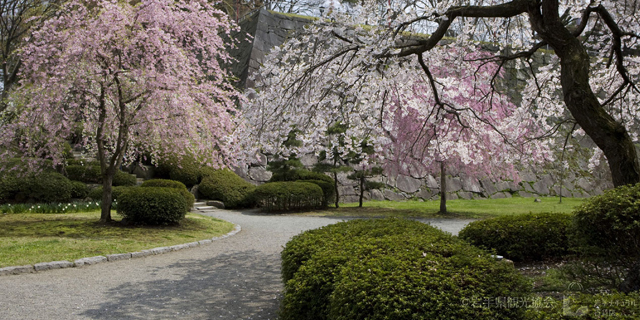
[
  {"x": 10, "y": 187},
  {"x": 185, "y": 170},
  {"x": 79, "y": 190},
  {"x": 122, "y": 178},
  {"x": 328, "y": 190},
  {"x": 50, "y": 187},
  {"x": 88, "y": 173},
  {"x": 608, "y": 225},
  {"x": 393, "y": 269},
  {"x": 228, "y": 187},
  {"x": 288, "y": 195},
  {"x": 526, "y": 237},
  {"x": 164, "y": 183},
  {"x": 153, "y": 206}
]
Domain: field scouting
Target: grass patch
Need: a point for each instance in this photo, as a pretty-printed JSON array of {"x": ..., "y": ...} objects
[
  {"x": 31, "y": 238},
  {"x": 476, "y": 209}
]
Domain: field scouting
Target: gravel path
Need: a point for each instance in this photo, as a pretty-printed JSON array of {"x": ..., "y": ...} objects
[{"x": 233, "y": 278}]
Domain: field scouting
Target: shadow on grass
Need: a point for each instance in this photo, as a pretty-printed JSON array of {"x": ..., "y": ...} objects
[{"x": 243, "y": 285}]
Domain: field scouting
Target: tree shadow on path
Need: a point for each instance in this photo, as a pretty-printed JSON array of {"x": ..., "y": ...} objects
[{"x": 241, "y": 285}]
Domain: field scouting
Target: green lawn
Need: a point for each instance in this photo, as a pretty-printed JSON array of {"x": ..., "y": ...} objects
[
  {"x": 479, "y": 209},
  {"x": 31, "y": 238}
]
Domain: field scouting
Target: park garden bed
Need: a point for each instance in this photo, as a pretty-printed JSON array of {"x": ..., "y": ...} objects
[{"x": 29, "y": 238}]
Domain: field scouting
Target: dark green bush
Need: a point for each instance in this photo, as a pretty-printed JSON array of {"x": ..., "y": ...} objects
[
  {"x": 79, "y": 190},
  {"x": 185, "y": 170},
  {"x": 392, "y": 269},
  {"x": 164, "y": 183},
  {"x": 228, "y": 187},
  {"x": 300, "y": 174},
  {"x": 152, "y": 206},
  {"x": 288, "y": 195},
  {"x": 614, "y": 306},
  {"x": 522, "y": 237},
  {"x": 608, "y": 225},
  {"x": 122, "y": 178},
  {"x": 328, "y": 190},
  {"x": 10, "y": 187},
  {"x": 87, "y": 173},
  {"x": 50, "y": 187},
  {"x": 96, "y": 194}
]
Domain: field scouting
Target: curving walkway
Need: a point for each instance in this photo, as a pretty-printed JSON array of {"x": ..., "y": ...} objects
[{"x": 233, "y": 278}]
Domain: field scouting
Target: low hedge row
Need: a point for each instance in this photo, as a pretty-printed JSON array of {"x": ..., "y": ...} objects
[
  {"x": 46, "y": 187},
  {"x": 392, "y": 269},
  {"x": 522, "y": 237},
  {"x": 90, "y": 173},
  {"x": 152, "y": 205},
  {"x": 228, "y": 187},
  {"x": 288, "y": 195},
  {"x": 179, "y": 186},
  {"x": 96, "y": 194}
]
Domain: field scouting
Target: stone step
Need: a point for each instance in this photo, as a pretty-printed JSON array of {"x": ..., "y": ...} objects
[
  {"x": 199, "y": 203},
  {"x": 139, "y": 181},
  {"x": 202, "y": 208}
]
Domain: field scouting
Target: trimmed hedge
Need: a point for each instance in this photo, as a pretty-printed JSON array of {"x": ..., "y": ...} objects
[
  {"x": 228, "y": 187},
  {"x": 328, "y": 190},
  {"x": 96, "y": 194},
  {"x": 43, "y": 187},
  {"x": 164, "y": 183},
  {"x": 392, "y": 269},
  {"x": 288, "y": 195},
  {"x": 87, "y": 173},
  {"x": 50, "y": 187},
  {"x": 300, "y": 174},
  {"x": 154, "y": 206},
  {"x": 90, "y": 173},
  {"x": 607, "y": 225},
  {"x": 79, "y": 190},
  {"x": 526, "y": 237},
  {"x": 122, "y": 178},
  {"x": 185, "y": 170}
]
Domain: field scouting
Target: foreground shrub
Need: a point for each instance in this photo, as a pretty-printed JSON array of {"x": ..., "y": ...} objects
[
  {"x": 79, "y": 190},
  {"x": 607, "y": 225},
  {"x": 392, "y": 269},
  {"x": 606, "y": 235},
  {"x": 164, "y": 183},
  {"x": 288, "y": 195},
  {"x": 228, "y": 187},
  {"x": 522, "y": 237},
  {"x": 152, "y": 206}
]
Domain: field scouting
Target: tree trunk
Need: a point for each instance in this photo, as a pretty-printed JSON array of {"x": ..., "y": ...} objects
[
  {"x": 361, "y": 189},
  {"x": 610, "y": 136},
  {"x": 107, "y": 197},
  {"x": 335, "y": 186},
  {"x": 443, "y": 189}
]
